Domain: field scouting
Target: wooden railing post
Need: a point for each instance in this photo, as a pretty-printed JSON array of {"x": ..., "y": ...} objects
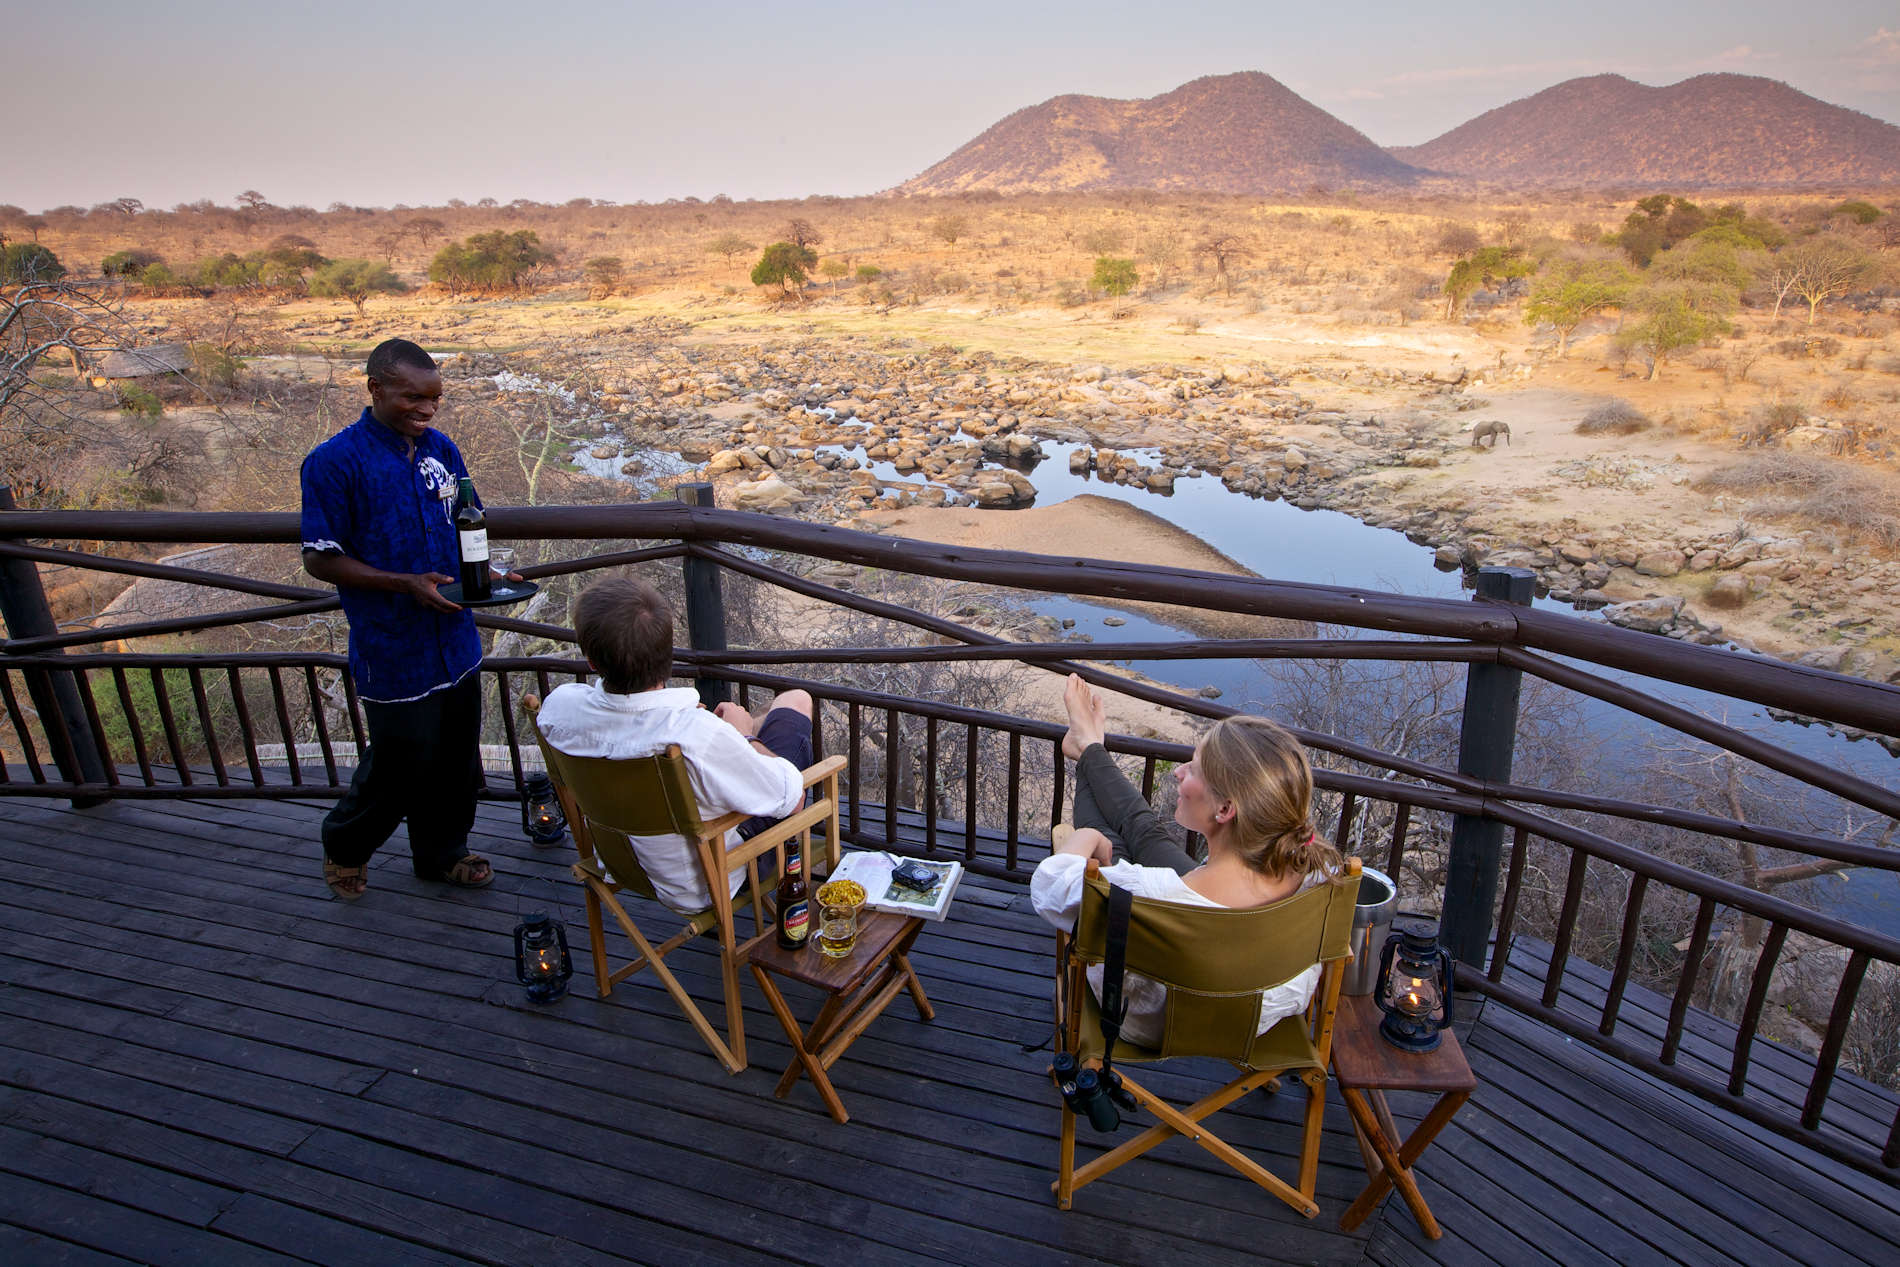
[
  {"x": 54, "y": 694},
  {"x": 1487, "y": 742},
  {"x": 705, "y": 604}
]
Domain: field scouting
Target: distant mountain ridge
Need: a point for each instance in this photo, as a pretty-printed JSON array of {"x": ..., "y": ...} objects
[
  {"x": 1714, "y": 130},
  {"x": 1240, "y": 133},
  {"x": 1247, "y": 133}
]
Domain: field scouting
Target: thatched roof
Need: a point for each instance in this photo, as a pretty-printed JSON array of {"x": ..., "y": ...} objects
[{"x": 160, "y": 358}]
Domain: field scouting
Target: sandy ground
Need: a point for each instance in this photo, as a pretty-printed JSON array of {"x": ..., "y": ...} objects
[{"x": 1093, "y": 527}]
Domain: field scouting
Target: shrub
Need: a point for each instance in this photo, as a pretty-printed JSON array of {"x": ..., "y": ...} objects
[
  {"x": 134, "y": 399},
  {"x": 213, "y": 367},
  {"x": 1860, "y": 212},
  {"x": 1862, "y": 501},
  {"x": 1115, "y": 276},
  {"x": 129, "y": 263},
  {"x": 489, "y": 261},
  {"x": 29, "y": 262},
  {"x": 1613, "y": 417}
]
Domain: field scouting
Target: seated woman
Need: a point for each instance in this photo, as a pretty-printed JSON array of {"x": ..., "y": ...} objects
[{"x": 1248, "y": 790}]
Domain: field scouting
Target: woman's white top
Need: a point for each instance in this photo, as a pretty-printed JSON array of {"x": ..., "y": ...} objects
[{"x": 1055, "y": 890}]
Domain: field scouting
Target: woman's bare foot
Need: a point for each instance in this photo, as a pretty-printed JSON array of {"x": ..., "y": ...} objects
[{"x": 1088, "y": 718}]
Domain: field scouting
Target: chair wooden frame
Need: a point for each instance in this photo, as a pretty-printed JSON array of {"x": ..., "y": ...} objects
[
  {"x": 607, "y": 800},
  {"x": 1299, "y": 1044}
]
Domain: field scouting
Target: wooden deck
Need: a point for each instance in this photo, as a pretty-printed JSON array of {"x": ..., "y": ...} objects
[{"x": 205, "y": 1060}]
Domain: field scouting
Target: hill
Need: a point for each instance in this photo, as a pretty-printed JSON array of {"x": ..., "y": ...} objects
[
  {"x": 1712, "y": 130},
  {"x": 1241, "y": 133}
]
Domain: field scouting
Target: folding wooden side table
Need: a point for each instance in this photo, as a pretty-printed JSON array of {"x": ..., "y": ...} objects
[
  {"x": 858, "y": 988},
  {"x": 1367, "y": 1067}
]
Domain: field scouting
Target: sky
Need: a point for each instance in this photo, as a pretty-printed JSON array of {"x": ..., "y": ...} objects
[{"x": 417, "y": 101}]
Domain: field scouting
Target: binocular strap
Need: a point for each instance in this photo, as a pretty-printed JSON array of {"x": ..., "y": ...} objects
[{"x": 1121, "y": 904}]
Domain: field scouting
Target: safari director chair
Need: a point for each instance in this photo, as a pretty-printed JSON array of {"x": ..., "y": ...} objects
[
  {"x": 607, "y": 800},
  {"x": 1213, "y": 963}
]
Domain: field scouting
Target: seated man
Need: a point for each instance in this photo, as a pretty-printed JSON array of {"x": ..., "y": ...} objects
[{"x": 626, "y": 632}]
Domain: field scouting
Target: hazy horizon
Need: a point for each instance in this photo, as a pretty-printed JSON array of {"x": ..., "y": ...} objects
[{"x": 418, "y": 103}]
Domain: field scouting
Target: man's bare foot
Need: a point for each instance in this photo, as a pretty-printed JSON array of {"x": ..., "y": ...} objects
[{"x": 1088, "y": 718}]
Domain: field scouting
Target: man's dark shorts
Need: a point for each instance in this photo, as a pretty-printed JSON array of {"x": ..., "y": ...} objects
[{"x": 787, "y": 732}]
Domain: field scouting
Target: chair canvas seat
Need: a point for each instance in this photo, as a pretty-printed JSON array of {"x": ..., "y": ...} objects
[
  {"x": 1213, "y": 962},
  {"x": 610, "y": 800}
]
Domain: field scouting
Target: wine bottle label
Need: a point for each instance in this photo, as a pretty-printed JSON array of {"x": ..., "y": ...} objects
[
  {"x": 475, "y": 546},
  {"x": 797, "y": 918}
]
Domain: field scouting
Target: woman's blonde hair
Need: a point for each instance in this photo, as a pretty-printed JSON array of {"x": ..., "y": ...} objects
[{"x": 1263, "y": 770}]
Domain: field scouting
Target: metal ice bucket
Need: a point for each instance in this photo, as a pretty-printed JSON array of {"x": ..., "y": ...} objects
[{"x": 1371, "y": 921}]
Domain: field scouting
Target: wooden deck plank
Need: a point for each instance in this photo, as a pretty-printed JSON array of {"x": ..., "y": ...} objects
[{"x": 187, "y": 1008}]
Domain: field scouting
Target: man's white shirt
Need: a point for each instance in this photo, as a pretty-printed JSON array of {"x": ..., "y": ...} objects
[{"x": 727, "y": 773}]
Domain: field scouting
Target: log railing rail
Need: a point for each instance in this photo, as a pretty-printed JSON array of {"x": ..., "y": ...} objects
[{"x": 291, "y": 737}]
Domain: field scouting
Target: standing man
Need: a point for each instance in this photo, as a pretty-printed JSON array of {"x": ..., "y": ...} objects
[{"x": 379, "y": 524}]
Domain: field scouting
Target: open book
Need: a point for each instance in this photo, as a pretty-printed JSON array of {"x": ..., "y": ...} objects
[{"x": 873, "y": 871}]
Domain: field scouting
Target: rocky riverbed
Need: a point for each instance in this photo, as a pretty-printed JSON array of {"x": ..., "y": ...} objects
[{"x": 845, "y": 428}]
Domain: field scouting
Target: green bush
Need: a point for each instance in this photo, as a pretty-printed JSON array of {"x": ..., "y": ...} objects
[
  {"x": 1861, "y": 212},
  {"x": 129, "y": 264},
  {"x": 29, "y": 262},
  {"x": 783, "y": 264},
  {"x": 151, "y": 724},
  {"x": 489, "y": 261},
  {"x": 1114, "y": 276},
  {"x": 134, "y": 399}
]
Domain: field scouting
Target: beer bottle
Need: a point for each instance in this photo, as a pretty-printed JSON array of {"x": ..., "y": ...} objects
[
  {"x": 794, "y": 900},
  {"x": 471, "y": 530}
]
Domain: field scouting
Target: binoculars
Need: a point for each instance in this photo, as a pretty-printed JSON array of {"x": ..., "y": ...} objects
[{"x": 1091, "y": 1094}]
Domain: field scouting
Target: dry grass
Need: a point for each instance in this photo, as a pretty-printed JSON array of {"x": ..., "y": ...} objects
[
  {"x": 1863, "y": 502},
  {"x": 1613, "y": 417}
]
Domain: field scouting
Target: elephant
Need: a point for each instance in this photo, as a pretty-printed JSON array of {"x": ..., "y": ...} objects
[{"x": 1490, "y": 430}]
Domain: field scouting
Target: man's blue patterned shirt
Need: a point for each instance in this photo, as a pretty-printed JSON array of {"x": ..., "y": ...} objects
[{"x": 365, "y": 495}]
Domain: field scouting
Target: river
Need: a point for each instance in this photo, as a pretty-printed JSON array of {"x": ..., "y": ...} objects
[{"x": 1277, "y": 539}]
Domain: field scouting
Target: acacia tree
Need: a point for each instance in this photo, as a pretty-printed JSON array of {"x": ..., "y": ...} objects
[
  {"x": 730, "y": 245},
  {"x": 1488, "y": 266},
  {"x": 1225, "y": 250},
  {"x": 799, "y": 232},
  {"x": 1114, "y": 276},
  {"x": 948, "y": 228},
  {"x": 354, "y": 280},
  {"x": 783, "y": 265},
  {"x": 1817, "y": 269},
  {"x": 603, "y": 274},
  {"x": 1675, "y": 315},
  {"x": 1574, "y": 289}
]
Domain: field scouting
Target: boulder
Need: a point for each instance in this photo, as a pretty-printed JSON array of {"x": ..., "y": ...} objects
[
  {"x": 1645, "y": 615},
  {"x": 770, "y": 493},
  {"x": 1730, "y": 590},
  {"x": 1661, "y": 561}
]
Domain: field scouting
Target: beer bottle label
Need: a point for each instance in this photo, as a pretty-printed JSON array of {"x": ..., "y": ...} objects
[
  {"x": 797, "y": 919},
  {"x": 475, "y": 546},
  {"x": 794, "y": 863}
]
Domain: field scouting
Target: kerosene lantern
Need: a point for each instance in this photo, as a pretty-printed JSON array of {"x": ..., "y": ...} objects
[
  {"x": 542, "y": 964},
  {"x": 1415, "y": 980},
  {"x": 541, "y": 817}
]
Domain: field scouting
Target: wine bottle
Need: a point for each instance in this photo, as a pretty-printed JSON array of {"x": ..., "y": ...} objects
[
  {"x": 471, "y": 527},
  {"x": 794, "y": 901}
]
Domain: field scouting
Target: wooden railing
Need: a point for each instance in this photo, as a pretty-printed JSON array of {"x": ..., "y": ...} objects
[{"x": 984, "y": 785}]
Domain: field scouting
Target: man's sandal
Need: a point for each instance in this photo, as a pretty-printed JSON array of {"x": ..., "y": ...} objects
[
  {"x": 472, "y": 872},
  {"x": 346, "y": 883}
]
